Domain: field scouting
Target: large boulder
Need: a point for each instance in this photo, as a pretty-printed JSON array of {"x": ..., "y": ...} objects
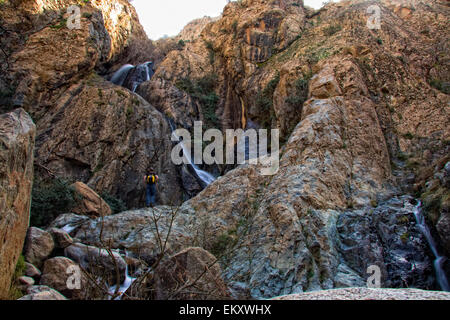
[
  {"x": 141, "y": 232},
  {"x": 90, "y": 204},
  {"x": 192, "y": 274},
  {"x": 56, "y": 273},
  {"x": 39, "y": 245},
  {"x": 107, "y": 265},
  {"x": 17, "y": 133}
]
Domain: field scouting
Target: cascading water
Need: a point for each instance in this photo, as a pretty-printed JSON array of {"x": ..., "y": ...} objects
[
  {"x": 131, "y": 77},
  {"x": 121, "y": 74},
  {"x": 440, "y": 274},
  {"x": 203, "y": 177},
  {"x": 124, "y": 286}
]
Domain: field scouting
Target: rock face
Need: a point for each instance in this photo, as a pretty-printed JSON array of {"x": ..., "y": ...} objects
[
  {"x": 357, "y": 112},
  {"x": 110, "y": 144},
  {"x": 397, "y": 246},
  {"x": 36, "y": 70},
  {"x": 39, "y": 245},
  {"x": 17, "y": 133},
  {"x": 369, "y": 294},
  {"x": 91, "y": 203},
  {"x": 362, "y": 113},
  {"x": 108, "y": 150}
]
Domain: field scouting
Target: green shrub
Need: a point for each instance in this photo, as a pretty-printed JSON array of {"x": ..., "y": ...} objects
[
  {"x": 14, "y": 292},
  {"x": 116, "y": 204},
  {"x": 221, "y": 245},
  {"x": 442, "y": 86},
  {"x": 202, "y": 90},
  {"x": 181, "y": 43},
  {"x": 264, "y": 101},
  {"x": 301, "y": 91},
  {"x": 330, "y": 30},
  {"x": 51, "y": 198}
]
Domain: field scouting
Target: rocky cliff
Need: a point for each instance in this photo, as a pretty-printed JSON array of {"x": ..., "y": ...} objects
[
  {"x": 51, "y": 71},
  {"x": 363, "y": 115},
  {"x": 17, "y": 133}
]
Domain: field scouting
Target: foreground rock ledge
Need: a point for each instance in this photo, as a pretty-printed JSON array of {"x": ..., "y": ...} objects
[{"x": 369, "y": 294}]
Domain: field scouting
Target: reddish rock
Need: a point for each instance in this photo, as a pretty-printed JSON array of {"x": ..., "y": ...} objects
[
  {"x": 17, "y": 132},
  {"x": 90, "y": 204}
]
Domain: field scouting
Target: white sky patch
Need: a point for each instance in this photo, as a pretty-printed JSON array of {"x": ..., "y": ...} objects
[{"x": 168, "y": 17}]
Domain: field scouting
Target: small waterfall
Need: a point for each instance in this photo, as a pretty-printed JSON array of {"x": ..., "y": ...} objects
[
  {"x": 203, "y": 177},
  {"x": 121, "y": 74},
  {"x": 69, "y": 228},
  {"x": 125, "y": 285},
  {"x": 131, "y": 77},
  {"x": 440, "y": 274}
]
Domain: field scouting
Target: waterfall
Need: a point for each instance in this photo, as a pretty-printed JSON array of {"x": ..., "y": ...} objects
[
  {"x": 121, "y": 74},
  {"x": 203, "y": 177},
  {"x": 125, "y": 285},
  {"x": 131, "y": 77},
  {"x": 440, "y": 274},
  {"x": 69, "y": 228}
]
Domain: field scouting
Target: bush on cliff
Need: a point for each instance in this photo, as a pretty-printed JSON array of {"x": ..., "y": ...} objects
[
  {"x": 50, "y": 198},
  {"x": 202, "y": 89},
  {"x": 116, "y": 204}
]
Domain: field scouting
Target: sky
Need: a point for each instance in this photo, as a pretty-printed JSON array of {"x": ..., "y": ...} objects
[{"x": 168, "y": 17}]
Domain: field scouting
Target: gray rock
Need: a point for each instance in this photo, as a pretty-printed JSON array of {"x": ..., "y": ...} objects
[
  {"x": 135, "y": 231},
  {"x": 387, "y": 237},
  {"x": 38, "y": 246},
  {"x": 98, "y": 262},
  {"x": 25, "y": 282},
  {"x": 32, "y": 271},
  {"x": 68, "y": 222},
  {"x": 62, "y": 239},
  {"x": 346, "y": 277},
  {"x": 44, "y": 295}
]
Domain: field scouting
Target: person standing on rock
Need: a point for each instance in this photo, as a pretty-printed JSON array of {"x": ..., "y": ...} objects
[{"x": 150, "y": 193}]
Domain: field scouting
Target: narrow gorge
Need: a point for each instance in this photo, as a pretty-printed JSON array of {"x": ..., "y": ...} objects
[{"x": 357, "y": 208}]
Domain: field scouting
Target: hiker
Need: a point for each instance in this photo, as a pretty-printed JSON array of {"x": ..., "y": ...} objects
[{"x": 150, "y": 193}]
